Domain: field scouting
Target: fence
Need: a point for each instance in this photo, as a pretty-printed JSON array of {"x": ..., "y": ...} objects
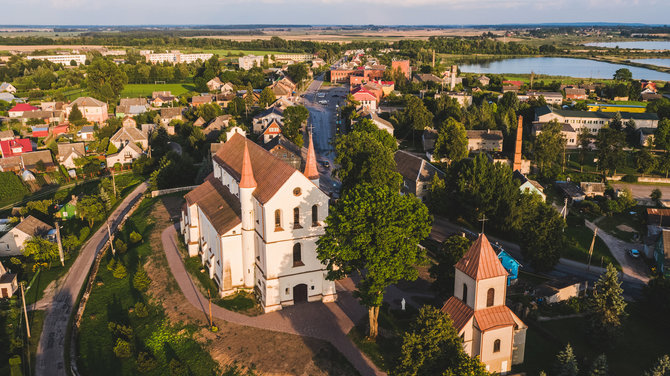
[{"x": 161, "y": 192}]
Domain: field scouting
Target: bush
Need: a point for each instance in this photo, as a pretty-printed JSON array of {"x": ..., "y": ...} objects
[
  {"x": 120, "y": 246},
  {"x": 111, "y": 265},
  {"x": 141, "y": 310},
  {"x": 177, "y": 368},
  {"x": 11, "y": 187},
  {"x": 119, "y": 271},
  {"x": 629, "y": 179},
  {"x": 122, "y": 349},
  {"x": 121, "y": 331},
  {"x": 135, "y": 237},
  {"x": 145, "y": 362},
  {"x": 83, "y": 234},
  {"x": 141, "y": 280}
]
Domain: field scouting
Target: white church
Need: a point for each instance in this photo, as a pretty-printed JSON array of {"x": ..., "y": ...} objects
[{"x": 254, "y": 223}]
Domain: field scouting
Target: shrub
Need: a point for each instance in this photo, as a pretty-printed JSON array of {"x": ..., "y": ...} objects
[
  {"x": 83, "y": 234},
  {"x": 141, "y": 310},
  {"x": 120, "y": 330},
  {"x": 629, "y": 179},
  {"x": 145, "y": 362},
  {"x": 122, "y": 349},
  {"x": 135, "y": 237},
  {"x": 111, "y": 265},
  {"x": 141, "y": 280},
  {"x": 120, "y": 271},
  {"x": 177, "y": 368},
  {"x": 120, "y": 246}
]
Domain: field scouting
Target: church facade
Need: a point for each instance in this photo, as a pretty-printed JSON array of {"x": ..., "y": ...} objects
[
  {"x": 255, "y": 222},
  {"x": 489, "y": 329}
]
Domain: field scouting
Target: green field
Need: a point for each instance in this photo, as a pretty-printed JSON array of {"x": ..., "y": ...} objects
[
  {"x": 227, "y": 52},
  {"x": 145, "y": 90}
]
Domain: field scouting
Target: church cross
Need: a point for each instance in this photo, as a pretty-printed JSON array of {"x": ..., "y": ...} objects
[{"x": 483, "y": 220}]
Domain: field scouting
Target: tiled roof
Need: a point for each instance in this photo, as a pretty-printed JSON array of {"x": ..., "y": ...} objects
[
  {"x": 494, "y": 317},
  {"x": 219, "y": 205},
  {"x": 23, "y": 107},
  {"x": 480, "y": 261},
  {"x": 128, "y": 134},
  {"x": 7, "y": 134},
  {"x": 33, "y": 226},
  {"x": 170, "y": 112},
  {"x": 87, "y": 102},
  {"x": 459, "y": 312},
  {"x": 7, "y": 146},
  {"x": 270, "y": 172},
  {"x": 488, "y": 134},
  {"x": 65, "y": 150},
  {"x": 414, "y": 168},
  {"x": 30, "y": 159}
]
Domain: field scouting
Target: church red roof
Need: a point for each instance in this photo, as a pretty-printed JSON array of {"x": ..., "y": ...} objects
[
  {"x": 480, "y": 261},
  {"x": 311, "y": 171},
  {"x": 494, "y": 317},
  {"x": 459, "y": 312}
]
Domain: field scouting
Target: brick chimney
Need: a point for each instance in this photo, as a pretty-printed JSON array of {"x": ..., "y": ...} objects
[{"x": 517, "y": 148}]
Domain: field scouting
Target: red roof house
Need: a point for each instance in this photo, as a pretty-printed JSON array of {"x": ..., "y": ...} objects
[
  {"x": 366, "y": 98},
  {"x": 20, "y": 108},
  {"x": 40, "y": 131},
  {"x": 15, "y": 147},
  {"x": 513, "y": 83},
  {"x": 59, "y": 129}
]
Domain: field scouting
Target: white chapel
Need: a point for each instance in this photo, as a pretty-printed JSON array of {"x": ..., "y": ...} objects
[{"x": 254, "y": 223}]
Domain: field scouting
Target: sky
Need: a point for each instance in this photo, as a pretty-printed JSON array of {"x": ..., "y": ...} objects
[{"x": 335, "y": 12}]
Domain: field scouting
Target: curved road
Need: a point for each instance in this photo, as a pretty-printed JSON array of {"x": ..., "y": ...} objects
[{"x": 50, "y": 350}]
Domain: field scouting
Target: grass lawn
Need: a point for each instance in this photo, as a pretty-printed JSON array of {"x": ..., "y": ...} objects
[
  {"x": 145, "y": 90},
  {"x": 171, "y": 345},
  {"x": 637, "y": 350},
  {"x": 610, "y": 225},
  {"x": 578, "y": 243},
  {"x": 229, "y": 53}
]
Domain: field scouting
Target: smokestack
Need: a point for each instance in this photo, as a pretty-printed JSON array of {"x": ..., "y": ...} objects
[
  {"x": 453, "y": 78},
  {"x": 516, "y": 165}
]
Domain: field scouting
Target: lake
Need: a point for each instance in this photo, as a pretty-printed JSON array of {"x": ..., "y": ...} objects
[
  {"x": 642, "y": 45},
  {"x": 560, "y": 66},
  {"x": 658, "y": 62}
]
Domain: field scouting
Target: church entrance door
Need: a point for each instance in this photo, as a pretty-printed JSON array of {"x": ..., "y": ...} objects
[{"x": 300, "y": 293}]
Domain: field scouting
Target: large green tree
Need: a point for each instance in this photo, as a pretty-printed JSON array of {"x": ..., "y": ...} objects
[
  {"x": 452, "y": 141},
  {"x": 566, "y": 363},
  {"x": 41, "y": 251},
  {"x": 298, "y": 72},
  {"x": 610, "y": 143},
  {"x": 105, "y": 80},
  {"x": 662, "y": 135},
  {"x": 267, "y": 97},
  {"x": 92, "y": 209},
  {"x": 541, "y": 234},
  {"x": 416, "y": 116},
  {"x": 451, "y": 250},
  {"x": 607, "y": 307},
  {"x": 662, "y": 367},
  {"x": 385, "y": 138},
  {"x": 623, "y": 74},
  {"x": 374, "y": 231},
  {"x": 549, "y": 145},
  {"x": 294, "y": 119}
]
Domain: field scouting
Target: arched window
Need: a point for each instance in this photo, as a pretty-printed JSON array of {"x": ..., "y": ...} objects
[
  {"x": 277, "y": 220},
  {"x": 296, "y": 217},
  {"x": 496, "y": 346},
  {"x": 465, "y": 293},
  {"x": 490, "y": 296},
  {"x": 315, "y": 215},
  {"x": 297, "y": 255}
]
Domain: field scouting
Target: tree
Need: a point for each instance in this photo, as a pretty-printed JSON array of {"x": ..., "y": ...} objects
[
  {"x": 41, "y": 251},
  {"x": 662, "y": 135},
  {"x": 610, "y": 143},
  {"x": 75, "y": 114},
  {"x": 386, "y": 139},
  {"x": 294, "y": 119},
  {"x": 416, "y": 116},
  {"x": 105, "y": 80},
  {"x": 607, "y": 306},
  {"x": 541, "y": 234},
  {"x": 432, "y": 347},
  {"x": 119, "y": 271},
  {"x": 584, "y": 140},
  {"x": 141, "y": 280},
  {"x": 599, "y": 366},
  {"x": 645, "y": 161},
  {"x": 374, "y": 231},
  {"x": 92, "y": 209},
  {"x": 453, "y": 248},
  {"x": 249, "y": 99},
  {"x": 452, "y": 141},
  {"x": 122, "y": 349},
  {"x": 566, "y": 363},
  {"x": 120, "y": 246},
  {"x": 623, "y": 74},
  {"x": 298, "y": 72},
  {"x": 267, "y": 97},
  {"x": 662, "y": 367},
  {"x": 549, "y": 145}
]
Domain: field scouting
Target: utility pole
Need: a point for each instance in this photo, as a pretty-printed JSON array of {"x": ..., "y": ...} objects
[
  {"x": 209, "y": 296},
  {"x": 60, "y": 245},
  {"x": 593, "y": 242},
  {"x": 25, "y": 311},
  {"x": 113, "y": 182},
  {"x": 109, "y": 236}
]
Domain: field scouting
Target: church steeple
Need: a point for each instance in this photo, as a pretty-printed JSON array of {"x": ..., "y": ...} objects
[
  {"x": 247, "y": 180},
  {"x": 311, "y": 171}
]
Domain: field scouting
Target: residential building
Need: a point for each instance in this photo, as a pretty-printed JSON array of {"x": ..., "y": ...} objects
[
  {"x": 365, "y": 98},
  {"x": 132, "y": 107},
  {"x": 128, "y": 122},
  {"x": 255, "y": 222},
  {"x": 216, "y": 126},
  {"x": 171, "y": 113},
  {"x": 15, "y": 147},
  {"x": 382, "y": 124},
  {"x": 261, "y": 121},
  {"x": 592, "y": 189},
  {"x": 508, "y": 88},
  {"x": 568, "y": 132},
  {"x": 485, "y": 140},
  {"x": 427, "y": 77},
  {"x": 570, "y": 190},
  {"x": 555, "y": 98},
  {"x": 273, "y": 129},
  {"x": 417, "y": 173},
  {"x": 31, "y": 160},
  {"x": 227, "y": 88},
  {"x": 6, "y": 87},
  {"x": 92, "y": 109},
  {"x": 593, "y": 121},
  {"x": 464, "y": 99},
  {"x": 249, "y": 61},
  {"x": 529, "y": 186},
  {"x": 18, "y": 110},
  {"x": 127, "y": 154},
  {"x": 214, "y": 84},
  {"x": 560, "y": 290},
  {"x": 174, "y": 57},
  {"x": 47, "y": 117},
  {"x": 12, "y": 242},
  {"x": 198, "y": 100},
  {"x": 60, "y": 59},
  {"x": 199, "y": 122},
  {"x": 86, "y": 133},
  {"x": 287, "y": 151},
  {"x": 67, "y": 153},
  {"x": 8, "y": 283},
  {"x": 489, "y": 329},
  {"x": 7, "y": 135},
  {"x": 298, "y": 58},
  {"x": 283, "y": 88},
  {"x": 575, "y": 93},
  {"x": 127, "y": 135},
  {"x": 483, "y": 80},
  {"x": 403, "y": 66}
]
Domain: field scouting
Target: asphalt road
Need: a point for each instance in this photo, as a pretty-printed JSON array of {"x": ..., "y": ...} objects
[
  {"x": 50, "y": 350},
  {"x": 643, "y": 191}
]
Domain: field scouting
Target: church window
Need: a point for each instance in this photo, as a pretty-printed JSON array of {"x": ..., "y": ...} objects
[
  {"x": 490, "y": 296},
  {"x": 296, "y": 218},
  {"x": 315, "y": 215},
  {"x": 465, "y": 293},
  {"x": 496, "y": 346},
  {"x": 278, "y": 220},
  {"x": 297, "y": 191},
  {"x": 297, "y": 255}
]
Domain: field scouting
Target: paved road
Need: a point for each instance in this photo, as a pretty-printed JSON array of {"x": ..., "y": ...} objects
[
  {"x": 50, "y": 350},
  {"x": 643, "y": 191},
  {"x": 329, "y": 321}
]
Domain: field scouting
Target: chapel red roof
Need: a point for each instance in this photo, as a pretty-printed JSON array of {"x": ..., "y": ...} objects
[
  {"x": 494, "y": 317},
  {"x": 480, "y": 261},
  {"x": 311, "y": 171},
  {"x": 459, "y": 312},
  {"x": 247, "y": 180}
]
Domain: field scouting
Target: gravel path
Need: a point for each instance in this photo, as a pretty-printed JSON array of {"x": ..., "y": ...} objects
[{"x": 330, "y": 321}]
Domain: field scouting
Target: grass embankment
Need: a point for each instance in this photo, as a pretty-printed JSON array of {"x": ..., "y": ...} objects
[
  {"x": 579, "y": 240},
  {"x": 145, "y": 90},
  {"x": 171, "y": 347}
]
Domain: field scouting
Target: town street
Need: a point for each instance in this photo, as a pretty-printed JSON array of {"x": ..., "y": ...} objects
[{"x": 50, "y": 350}]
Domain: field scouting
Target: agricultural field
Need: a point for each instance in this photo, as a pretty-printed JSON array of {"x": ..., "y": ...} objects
[{"x": 145, "y": 90}]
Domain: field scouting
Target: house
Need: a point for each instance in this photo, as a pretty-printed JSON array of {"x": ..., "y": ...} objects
[
  {"x": 571, "y": 190},
  {"x": 273, "y": 129},
  {"x": 231, "y": 131},
  {"x": 249, "y": 61},
  {"x": 529, "y": 186},
  {"x": 464, "y": 99},
  {"x": 12, "y": 242},
  {"x": 216, "y": 126},
  {"x": 662, "y": 253},
  {"x": 10, "y": 164},
  {"x": 254, "y": 224},
  {"x": 592, "y": 189},
  {"x": 568, "y": 132},
  {"x": 417, "y": 173},
  {"x": 365, "y": 98},
  {"x": 59, "y": 130},
  {"x": 39, "y": 131},
  {"x": 549, "y": 97},
  {"x": 214, "y": 84},
  {"x": 131, "y": 107},
  {"x": 282, "y": 104},
  {"x": 227, "y": 88},
  {"x": 8, "y": 284},
  {"x": 92, "y": 109},
  {"x": 223, "y": 99},
  {"x": 382, "y": 124},
  {"x": 86, "y": 133},
  {"x": 6, "y": 87},
  {"x": 162, "y": 100},
  {"x": 198, "y": 100},
  {"x": 69, "y": 210},
  {"x": 15, "y": 147},
  {"x": 427, "y": 77},
  {"x": 510, "y": 88},
  {"x": 486, "y": 140},
  {"x": 128, "y": 122},
  {"x": 592, "y": 120},
  {"x": 31, "y": 160},
  {"x": 509, "y": 263},
  {"x": 199, "y": 122},
  {"x": 18, "y": 110},
  {"x": 126, "y": 136},
  {"x": 489, "y": 329},
  {"x": 127, "y": 154},
  {"x": 575, "y": 93},
  {"x": 283, "y": 88},
  {"x": 171, "y": 113},
  {"x": 287, "y": 151},
  {"x": 7, "y": 135},
  {"x": 559, "y": 290},
  {"x": 46, "y": 117},
  {"x": 518, "y": 84},
  {"x": 261, "y": 121},
  {"x": 67, "y": 153},
  {"x": 428, "y": 138},
  {"x": 483, "y": 80}
]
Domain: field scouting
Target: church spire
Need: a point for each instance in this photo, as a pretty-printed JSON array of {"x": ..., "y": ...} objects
[
  {"x": 247, "y": 180},
  {"x": 311, "y": 172}
]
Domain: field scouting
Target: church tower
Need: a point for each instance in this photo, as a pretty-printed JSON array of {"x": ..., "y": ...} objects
[
  {"x": 488, "y": 327},
  {"x": 311, "y": 171},
  {"x": 247, "y": 187}
]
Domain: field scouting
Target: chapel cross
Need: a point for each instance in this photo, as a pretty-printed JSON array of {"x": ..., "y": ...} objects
[{"x": 483, "y": 220}]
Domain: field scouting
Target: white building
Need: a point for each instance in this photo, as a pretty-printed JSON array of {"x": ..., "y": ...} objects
[
  {"x": 173, "y": 57},
  {"x": 250, "y": 61},
  {"x": 12, "y": 242},
  {"x": 593, "y": 120},
  {"x": 126, "y": 154},
  {"x": 255, "y": 222},
  {"x": 60, "y": 59}
]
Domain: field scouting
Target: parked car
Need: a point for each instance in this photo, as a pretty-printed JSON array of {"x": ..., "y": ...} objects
[
  {"x": 325, "y": 164},
  {"x": 634, "y": 253}
]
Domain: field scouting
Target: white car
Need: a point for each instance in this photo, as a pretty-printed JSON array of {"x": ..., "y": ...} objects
[
  {"x": 321, "y": 95},
  {"x": 323, "y": 102}
]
